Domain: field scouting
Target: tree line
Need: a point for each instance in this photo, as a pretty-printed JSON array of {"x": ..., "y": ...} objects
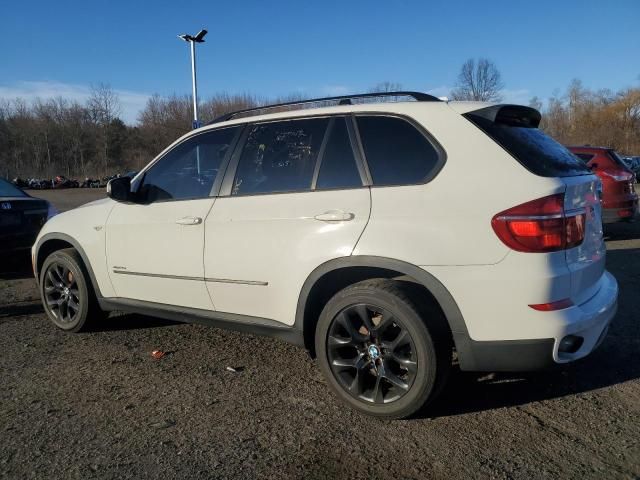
[{"x": 53, "y": 137}]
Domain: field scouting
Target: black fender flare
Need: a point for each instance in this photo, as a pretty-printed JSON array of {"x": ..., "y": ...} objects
[
  {"x": 448, "y": 305},
  {"x": 76, "y": 245}
]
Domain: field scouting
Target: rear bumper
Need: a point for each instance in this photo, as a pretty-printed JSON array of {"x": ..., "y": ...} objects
[
  {"x": 589, "y": 321},
  {"x": 626, "y": 211}
]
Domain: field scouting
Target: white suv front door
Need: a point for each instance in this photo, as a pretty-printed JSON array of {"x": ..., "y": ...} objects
[
  {"x": 155, "y": 246},
  {"x": 297, "y": 200}
]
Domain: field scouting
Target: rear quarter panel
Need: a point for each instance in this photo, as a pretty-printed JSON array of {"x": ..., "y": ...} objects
[{"x": 448, "y": 220}]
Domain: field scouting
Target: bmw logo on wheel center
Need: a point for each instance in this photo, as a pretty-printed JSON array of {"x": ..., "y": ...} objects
[
  {"x": 374, "y": 352},
  {"x": 5, "y": 206}
]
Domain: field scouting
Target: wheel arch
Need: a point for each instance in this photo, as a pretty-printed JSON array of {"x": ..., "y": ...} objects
[
  {"x": 52, "y": 242},
  {"x": 330, "y": 277}
]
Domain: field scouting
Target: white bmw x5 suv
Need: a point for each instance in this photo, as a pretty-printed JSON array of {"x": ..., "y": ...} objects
[{"x": 382, "y": 237}]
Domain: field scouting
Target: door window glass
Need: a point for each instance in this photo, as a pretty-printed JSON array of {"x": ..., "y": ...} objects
[
  {"x": 188, "y": 170},
  {"x": 279, "y": 157},
  {"x": 338, "y": 168}
]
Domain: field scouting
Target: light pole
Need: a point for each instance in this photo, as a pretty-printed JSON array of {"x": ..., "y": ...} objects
[{"x": 193, "y": 39}]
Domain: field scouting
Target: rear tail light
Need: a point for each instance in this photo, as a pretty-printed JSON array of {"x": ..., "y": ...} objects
[
  {"x": 552, "y": 306},
  {"x": 541, "y": 225}
]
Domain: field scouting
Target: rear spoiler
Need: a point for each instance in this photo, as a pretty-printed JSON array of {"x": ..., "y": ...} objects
[{"x": 512, "y": 115}]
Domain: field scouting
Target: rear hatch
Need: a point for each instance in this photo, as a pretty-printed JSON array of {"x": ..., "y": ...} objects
[{"x": 515, "y": 128}]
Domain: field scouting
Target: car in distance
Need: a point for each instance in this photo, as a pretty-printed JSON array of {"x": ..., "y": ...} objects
[
  {"x": 633, "y": 164},
  {"x": 619, "y": 198},
  {"x": 353, "y": 230},
  {"x": 21, "y": 217}
]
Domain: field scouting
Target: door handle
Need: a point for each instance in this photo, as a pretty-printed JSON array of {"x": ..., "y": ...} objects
[
  {"x": 189, "y": 221},
  {"x": 335, "y": 216}
]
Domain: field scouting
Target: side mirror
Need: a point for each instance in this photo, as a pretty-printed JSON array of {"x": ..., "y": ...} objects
[
  {"x": 593, "y": 166},
  {"x": 120, "y": 189}
]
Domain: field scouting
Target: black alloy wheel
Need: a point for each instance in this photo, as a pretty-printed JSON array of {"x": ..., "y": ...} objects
[
  {"x": 61, "y": 292},
  {"x": 371, "y": 354}
]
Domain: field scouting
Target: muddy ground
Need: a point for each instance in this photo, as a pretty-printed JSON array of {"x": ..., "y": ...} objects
[{"x": 97, "y": 405}]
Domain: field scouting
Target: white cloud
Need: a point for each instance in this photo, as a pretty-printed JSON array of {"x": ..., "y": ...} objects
[{"x": 131, "y": 102}]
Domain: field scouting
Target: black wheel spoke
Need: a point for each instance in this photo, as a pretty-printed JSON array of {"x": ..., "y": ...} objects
[
  {"x": 365, "y": 317},
  {"x": 345, "y": 322},
  {"x": 394, "y": 379}
]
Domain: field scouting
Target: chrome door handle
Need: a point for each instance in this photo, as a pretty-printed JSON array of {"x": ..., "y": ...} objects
[
  {"x": 335, "y": 216},
  {"x": 189, "y": 221}
]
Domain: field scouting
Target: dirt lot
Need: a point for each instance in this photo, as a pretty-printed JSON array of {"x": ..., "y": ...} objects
[{"x": 97, "y": 405}]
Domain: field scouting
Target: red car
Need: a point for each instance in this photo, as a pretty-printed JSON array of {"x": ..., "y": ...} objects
[{"x": 619, "y": 198}]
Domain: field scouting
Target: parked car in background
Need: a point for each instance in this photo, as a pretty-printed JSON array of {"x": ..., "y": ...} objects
[
  {"x": 21, "y": 217},
  {"x": 352, "y": 231},
  {"x": 633, "y": 163},
  {"x": 619, "y": 198}
]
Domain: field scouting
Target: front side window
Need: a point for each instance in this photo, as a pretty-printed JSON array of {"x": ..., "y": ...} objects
[
  {"x": 279, "y": 157},
  {"x": 396, "y": 152},
  {"x": 188, "y": 170}
]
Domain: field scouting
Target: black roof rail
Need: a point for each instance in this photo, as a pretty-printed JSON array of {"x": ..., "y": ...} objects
[{"x": 342, "y": 100}]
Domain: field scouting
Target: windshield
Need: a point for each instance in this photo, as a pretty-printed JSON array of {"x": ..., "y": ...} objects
[
  {"x": 9, "y": 190},
  {"x": 535, "y": 150}
]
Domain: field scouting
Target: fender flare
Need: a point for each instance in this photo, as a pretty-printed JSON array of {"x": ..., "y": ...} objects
[
  {"x": 446, "y": 302},
  {"x": 74, "y": 243}
]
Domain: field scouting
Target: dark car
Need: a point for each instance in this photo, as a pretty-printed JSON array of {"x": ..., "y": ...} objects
[
  {"x": 21, "y": 217},
  {"x": 619, "y": 198}
]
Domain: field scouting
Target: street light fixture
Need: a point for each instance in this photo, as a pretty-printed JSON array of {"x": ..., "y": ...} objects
[{"x": 193, "y": 39}]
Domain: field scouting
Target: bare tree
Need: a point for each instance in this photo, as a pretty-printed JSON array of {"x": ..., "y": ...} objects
[
  {"x": 104, "y": 106},
  {"x": 385, "y": 87},
  {"x": 479, "y": 81}
]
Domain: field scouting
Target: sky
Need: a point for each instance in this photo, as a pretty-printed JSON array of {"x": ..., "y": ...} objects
[{"x": 313, "y": 48}]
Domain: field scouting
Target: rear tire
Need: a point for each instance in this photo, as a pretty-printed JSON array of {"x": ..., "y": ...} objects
[
  {"x": 382, "y": 349},
  {"x": 66, "y": 291}
]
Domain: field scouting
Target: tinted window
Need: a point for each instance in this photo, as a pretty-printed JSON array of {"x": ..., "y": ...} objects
[
  {"x": 9, "y": 190},
  {"x": 279, "y": 157},
  {"x": 536, "y": 151},
  {"x": 585, "y": 157},
  {"x": 338, "y": 168},
  {"x": 396, "y": 152},
  {"x": 188, "y": 170}
]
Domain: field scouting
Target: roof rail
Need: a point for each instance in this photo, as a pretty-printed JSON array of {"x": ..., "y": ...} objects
[{"x": 342, "y": 100}]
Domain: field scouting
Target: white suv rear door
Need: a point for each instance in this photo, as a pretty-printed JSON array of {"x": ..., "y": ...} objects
[{"x": 295, "y": 198}]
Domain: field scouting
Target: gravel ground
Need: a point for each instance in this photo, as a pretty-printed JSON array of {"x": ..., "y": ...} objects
[{"x": 97, "y": 405}]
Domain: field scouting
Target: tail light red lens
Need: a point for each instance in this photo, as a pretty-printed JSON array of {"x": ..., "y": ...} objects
[
  {"x": 541, "y": 225},
  {"x": 552, "y": 306}
]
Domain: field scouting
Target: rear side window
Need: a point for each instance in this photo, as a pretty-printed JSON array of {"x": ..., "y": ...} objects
[
  {"x": 279, "y": 157},
  {"x": 338, "y": 168},
  {"x": 396, "y": 152},
  {"x": 515, "y": 129}
]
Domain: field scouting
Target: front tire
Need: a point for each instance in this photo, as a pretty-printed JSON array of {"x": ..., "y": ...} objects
[
  {"x": 382, "y": 352},
  {"x": 66, "y": 291}
]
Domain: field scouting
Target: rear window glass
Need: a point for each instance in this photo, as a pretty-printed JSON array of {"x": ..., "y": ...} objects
[
  {"x": 616, "y": 158},
  {"x": 585, "y": 157},
  {"x": 396, "y": 152},
  {"x": 9, "y": 190},
  {"x": 536, "y": 151}
]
